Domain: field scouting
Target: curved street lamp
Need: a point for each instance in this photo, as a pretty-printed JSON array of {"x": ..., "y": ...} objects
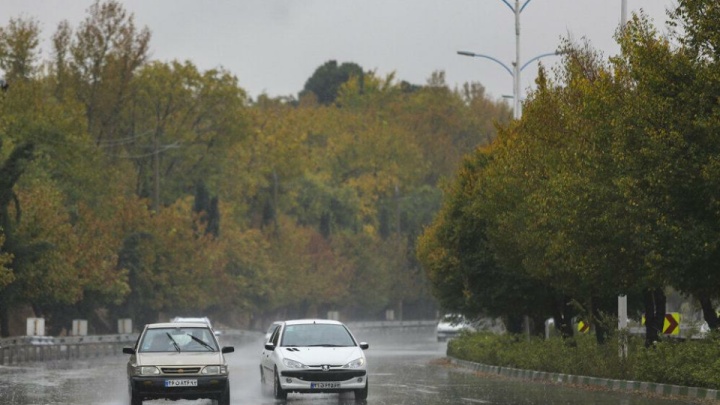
[{"x": 516, "y": 68}]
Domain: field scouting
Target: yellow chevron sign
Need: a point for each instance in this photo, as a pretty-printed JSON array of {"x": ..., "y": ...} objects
[{"x": 671, "y": 323}]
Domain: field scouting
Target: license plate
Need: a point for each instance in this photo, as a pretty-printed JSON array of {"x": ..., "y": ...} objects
[
  {"x": 324, "y": 385},
  {"x": 181, "y": 383}
]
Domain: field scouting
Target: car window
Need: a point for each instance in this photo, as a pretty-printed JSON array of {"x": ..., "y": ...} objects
[
  {"x": 275, "y": 334},
  {"x": 317, "y": 335},
  {"x": 272, "y": 329},
  {"x": 178, "y": 340}
]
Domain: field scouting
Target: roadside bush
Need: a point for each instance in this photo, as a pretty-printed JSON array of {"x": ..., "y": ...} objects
[{"x": 694, "y": 363}]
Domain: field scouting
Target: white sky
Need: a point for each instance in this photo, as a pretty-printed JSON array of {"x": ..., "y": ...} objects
[{"x": 274, "y": 46}]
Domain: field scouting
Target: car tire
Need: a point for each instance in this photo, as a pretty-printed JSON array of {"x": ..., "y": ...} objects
[
  {"x": 278, "y": 392},
  {"x": 135, "y": 399},
  {"x": 264, "y": 390},
  {"x": 225, "y": 396},
  {"x": 362, "y": 394}
]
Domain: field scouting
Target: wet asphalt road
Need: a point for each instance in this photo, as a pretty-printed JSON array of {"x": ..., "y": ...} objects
[{"x": 404, "y": 369}]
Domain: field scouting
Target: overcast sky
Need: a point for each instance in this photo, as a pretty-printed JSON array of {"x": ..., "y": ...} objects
[{"x": 274, "y": 46}]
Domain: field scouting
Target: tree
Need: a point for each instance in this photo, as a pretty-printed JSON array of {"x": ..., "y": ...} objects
[
  {"x": 328, "y": 78},
  {"x": 182, "y": 123},
  {"x": 10, "y": 172},
  {"x": 19, "y": 49},
  {"x": 100, "y": 62}
]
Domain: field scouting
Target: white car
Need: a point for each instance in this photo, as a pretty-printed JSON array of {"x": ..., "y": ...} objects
[
  {"x": 203, "y": 319},
  {"x": 452, "y": 325},
  {"x": 178, "y": 360},
  {"x": 314, "y": 356}
]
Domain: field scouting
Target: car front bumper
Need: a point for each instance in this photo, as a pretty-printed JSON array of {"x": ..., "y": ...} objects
[
  {"x": 154, "y": 387},
  {"x": 308, "y": 381}
]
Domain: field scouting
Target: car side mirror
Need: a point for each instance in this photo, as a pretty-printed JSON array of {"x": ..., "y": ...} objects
[
  {"x": 364, "y": 345},
  {"x": 228, "y": 349},
  {"x": 128, "y": 350},
  {"x": 269, "y": 346}
]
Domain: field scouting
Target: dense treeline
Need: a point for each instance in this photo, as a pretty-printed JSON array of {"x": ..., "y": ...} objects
[
  {"x": 134, "y": 188},
  {"x": 608, "y": 185}
]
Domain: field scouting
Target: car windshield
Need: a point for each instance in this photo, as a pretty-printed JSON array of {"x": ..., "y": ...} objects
[
  {"x": 178, "y": 340},
  {"x": 324, "y": 335},
  {"x": 454, "y": 319}
]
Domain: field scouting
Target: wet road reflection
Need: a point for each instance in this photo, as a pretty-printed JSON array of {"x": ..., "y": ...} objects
[{"x": 405, "y": 368}]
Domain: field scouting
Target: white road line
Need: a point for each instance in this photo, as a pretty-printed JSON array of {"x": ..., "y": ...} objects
[{"x": 477, "y": 401}]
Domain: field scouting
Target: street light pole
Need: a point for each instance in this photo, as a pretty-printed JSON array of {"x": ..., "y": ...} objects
[
  {"x": 514, "y": 72},
  {"x": 516, "y": 88},
  {"x": 517, "y": 9}
]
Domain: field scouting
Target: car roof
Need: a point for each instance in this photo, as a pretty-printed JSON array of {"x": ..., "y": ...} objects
[
  {"x": 177, "y": 325},
  {"x": 190, "y": 319},
  {"x": 312, "y": 321}
]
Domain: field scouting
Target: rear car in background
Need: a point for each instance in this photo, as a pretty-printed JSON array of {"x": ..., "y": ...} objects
[
  {"x": 178, "y": 360},
  {"x": 452, "y": 325},
  {"x": 203, "y": 319},
  {"x": 314, "y": 356}
]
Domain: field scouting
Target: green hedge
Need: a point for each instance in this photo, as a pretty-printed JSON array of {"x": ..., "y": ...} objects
[{"x": 693, "y": 363}]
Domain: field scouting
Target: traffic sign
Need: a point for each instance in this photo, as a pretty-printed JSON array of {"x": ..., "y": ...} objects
[
  {"x": 583, "y": 327},
  {"x": 671, "y": 325}
]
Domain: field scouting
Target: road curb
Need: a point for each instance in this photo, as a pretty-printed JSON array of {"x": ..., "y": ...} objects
[{"x": 615, "y": 385}]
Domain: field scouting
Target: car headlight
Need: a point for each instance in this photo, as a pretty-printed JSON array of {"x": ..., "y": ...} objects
[
  {"x": 293, "y": 364},
  {"x": 214, "y": 370},
  {"x": 357, "y": 363},
  {"x": 147, "y": 370}
]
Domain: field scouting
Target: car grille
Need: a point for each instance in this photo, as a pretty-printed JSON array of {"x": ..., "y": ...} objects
[
  {"x": 180, "y": 370},
  {"x": 319, "y": 375}
]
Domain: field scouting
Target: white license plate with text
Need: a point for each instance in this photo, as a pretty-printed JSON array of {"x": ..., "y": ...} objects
[
  {"x": 181, "y": 383},
  {"x": 324, "y": 385}
]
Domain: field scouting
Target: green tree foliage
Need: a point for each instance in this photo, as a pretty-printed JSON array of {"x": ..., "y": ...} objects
[
  {"x": 19, "y": 49},
  {"x": 327, "y": 79},
  {"x": 182, "y": 121},
  {"x": 99, "y": 63},
  {"x": 12, "y": 249},
  {"x": 606, "y": 185},
  {"x": 145, "y": 189}
]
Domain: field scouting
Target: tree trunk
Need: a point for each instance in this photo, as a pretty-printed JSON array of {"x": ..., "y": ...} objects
[
  {"x": 654, "y": 315},
  {"x": 601, "y": 329},
  {"x": 514, "y": 324},
  {"x": 709, "y": 313},
  {"x": 4, "y": 321},
  {"x": 562, "y": 317}
]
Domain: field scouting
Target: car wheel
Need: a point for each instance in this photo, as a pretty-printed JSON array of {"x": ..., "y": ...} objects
[
  {"x": 135, "y": 399},
  {"x": 278, "y": 392},
  {"x": 263, "y": 382},
  {"x": 362, "y": 394},
  {"x": 225, "y": 396}
]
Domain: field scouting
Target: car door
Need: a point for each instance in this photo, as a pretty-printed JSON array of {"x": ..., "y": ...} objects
[{"x": 267, "y": 361}]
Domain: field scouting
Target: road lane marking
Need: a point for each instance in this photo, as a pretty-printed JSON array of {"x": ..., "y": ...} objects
[{"x": 477, "y": 401}]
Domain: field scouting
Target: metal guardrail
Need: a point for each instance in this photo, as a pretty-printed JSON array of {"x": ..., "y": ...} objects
[
  {"x": 25, "y": 349},
  {"x": 381, "y": 325}
]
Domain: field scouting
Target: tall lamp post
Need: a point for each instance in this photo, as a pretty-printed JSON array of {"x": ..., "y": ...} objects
[{"x": 516, "y": 67}]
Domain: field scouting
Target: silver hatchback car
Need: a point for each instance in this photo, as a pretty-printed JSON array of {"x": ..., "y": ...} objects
[{"x": 179, "y": 360}]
